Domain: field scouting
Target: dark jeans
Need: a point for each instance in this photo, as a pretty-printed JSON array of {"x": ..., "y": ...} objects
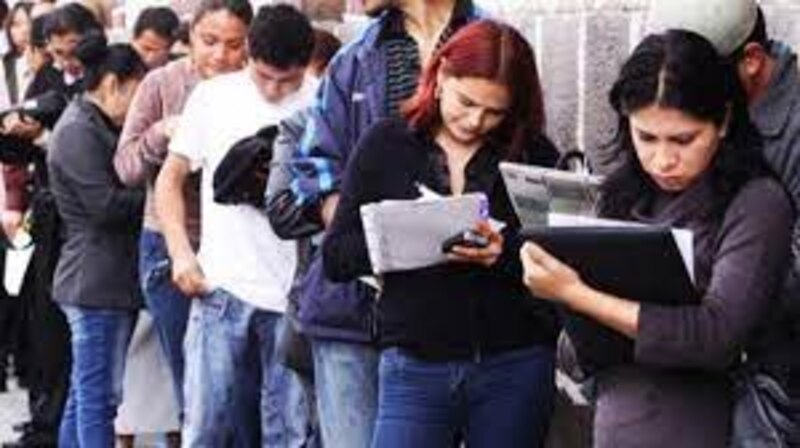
[
  {"x": 168, "y": 306},
  {"x": 504, "y": 400}
]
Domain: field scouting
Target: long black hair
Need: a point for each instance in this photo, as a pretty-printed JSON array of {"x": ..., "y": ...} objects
[
  {"x": 681, "y": 70},
  {"x": 99, "y": 59},
  {"x": 25, "y": 7}
]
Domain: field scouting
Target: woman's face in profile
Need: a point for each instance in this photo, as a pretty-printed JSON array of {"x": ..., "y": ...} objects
[{"x": 673, "y": 147}]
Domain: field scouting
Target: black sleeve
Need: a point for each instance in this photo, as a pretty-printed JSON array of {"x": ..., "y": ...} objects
[
  {"x": 289, "y": 219},
  {"x": 344, "y": 250},
  {"x": 751, "y": 258}
]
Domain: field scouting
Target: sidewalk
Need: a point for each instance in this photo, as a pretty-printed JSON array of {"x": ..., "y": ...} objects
[{"x": 14, "y": 409}]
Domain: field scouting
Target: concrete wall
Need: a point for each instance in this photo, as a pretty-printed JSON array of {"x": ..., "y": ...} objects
[{"x": 580, "y": 45}]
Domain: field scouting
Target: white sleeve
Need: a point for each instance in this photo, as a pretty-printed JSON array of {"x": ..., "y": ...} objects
[{"x": 190, "y": 135}]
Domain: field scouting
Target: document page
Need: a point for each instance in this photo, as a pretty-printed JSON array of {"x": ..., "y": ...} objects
[{"x": 408, "y": 234}]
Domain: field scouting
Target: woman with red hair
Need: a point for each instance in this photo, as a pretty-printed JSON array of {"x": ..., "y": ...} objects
[{"x": 464, "y": 352}]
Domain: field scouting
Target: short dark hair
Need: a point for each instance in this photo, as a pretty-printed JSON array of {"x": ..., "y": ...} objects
[
  {"x": 182, "y": 33},
  {"x": 325, "y": 47},
  {"x": 99, "y": 59},
  {"x": 160, "y": 20},
  {"x": 281, "y": 36},
  {"x": 70, "y": 18},
  {"x": 38, "y": 36},
  {"x": 3, "y": 10},
  {"x": 240, "y": 9}
]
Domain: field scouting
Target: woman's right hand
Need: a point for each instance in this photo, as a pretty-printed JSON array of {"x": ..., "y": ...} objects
[
  {"x": 20, "y": 126},
  {"x": 546, "y": 276},
  {"x": 188, "y": 276}
]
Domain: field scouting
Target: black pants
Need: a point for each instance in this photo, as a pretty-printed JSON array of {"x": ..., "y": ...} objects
[
  {"x": 48, "y": 332},
  {"x": 13, "y": 330}
]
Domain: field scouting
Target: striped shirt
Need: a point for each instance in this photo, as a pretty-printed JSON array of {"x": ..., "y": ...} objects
[{"x": 403, "y": 65}]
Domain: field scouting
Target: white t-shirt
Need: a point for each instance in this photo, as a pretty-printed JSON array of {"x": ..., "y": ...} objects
[{"x": 239, "y": 251}]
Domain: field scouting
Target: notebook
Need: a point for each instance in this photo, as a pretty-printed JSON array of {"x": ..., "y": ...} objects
[
  {"x": 641, "y": 263},
  {"x": 408, "y": 234}
]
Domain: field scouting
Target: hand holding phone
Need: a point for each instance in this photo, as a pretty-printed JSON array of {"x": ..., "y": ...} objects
[{"x": 467, "y": 238}]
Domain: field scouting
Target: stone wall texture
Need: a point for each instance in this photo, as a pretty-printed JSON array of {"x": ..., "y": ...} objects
[{"x": 580, "y": 45}]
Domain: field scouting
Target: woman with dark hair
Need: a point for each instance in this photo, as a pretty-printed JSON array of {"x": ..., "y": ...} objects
[
  {"x": 463, "y": 350},
  {"x": 96, "y": 281},
  {"x": 689, "y": 158},
  {"x": 18, "y": 34}
]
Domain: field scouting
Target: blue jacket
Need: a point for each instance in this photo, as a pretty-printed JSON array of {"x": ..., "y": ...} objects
[{"x": 351, "y": 98}]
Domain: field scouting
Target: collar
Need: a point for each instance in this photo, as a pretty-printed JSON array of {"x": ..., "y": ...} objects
[
  {"x": 774, "y": 110},
  {"x": 96, "y": 114},
  {"x": 480, "y": 173},
  {"x": 677, "y": 209}
]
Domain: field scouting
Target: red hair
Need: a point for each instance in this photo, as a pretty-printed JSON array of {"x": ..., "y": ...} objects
[{"x": 496, "y": 52}]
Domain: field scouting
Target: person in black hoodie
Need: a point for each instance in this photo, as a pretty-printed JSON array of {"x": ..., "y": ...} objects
[{"x": 463, "y": 352}]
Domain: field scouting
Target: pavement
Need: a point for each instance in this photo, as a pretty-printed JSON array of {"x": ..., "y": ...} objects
[{"x": 14, "y": 409}]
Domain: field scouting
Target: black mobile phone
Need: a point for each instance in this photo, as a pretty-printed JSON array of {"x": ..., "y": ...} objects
[{"x": 468, "y": 238}]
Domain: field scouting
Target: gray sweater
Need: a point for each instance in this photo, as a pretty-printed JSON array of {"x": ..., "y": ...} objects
[{"x": 677, "y": 394}]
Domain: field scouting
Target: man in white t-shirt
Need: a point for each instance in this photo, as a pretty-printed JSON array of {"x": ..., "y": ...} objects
[{"x": 242, "y": 274}]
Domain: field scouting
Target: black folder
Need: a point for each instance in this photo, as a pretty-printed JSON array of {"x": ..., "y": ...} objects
[{"x": 642, "y": 264}]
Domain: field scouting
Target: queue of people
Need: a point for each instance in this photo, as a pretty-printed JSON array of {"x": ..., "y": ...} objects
[{"x": 220, "y": 192}]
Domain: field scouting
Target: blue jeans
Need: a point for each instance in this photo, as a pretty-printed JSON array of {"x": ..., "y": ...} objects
[
  {"x": 237, "y": 393},
  {"x": 100, "y": 340},
  {"x": 346, "y": 380},
  {"x": 168, "y": 306},
  {"x": 503, "y": 400}
]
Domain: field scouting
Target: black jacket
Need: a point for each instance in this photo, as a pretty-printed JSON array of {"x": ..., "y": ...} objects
[{"x": 445, "y": 312}]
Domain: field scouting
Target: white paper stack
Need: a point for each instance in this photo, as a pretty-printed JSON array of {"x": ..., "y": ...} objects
[{"x": 408, "y": 234}]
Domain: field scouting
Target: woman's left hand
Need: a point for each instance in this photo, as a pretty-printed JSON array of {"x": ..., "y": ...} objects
[
  {"x": 486, "y": 256},
  {"x": 545, "y": 275}
]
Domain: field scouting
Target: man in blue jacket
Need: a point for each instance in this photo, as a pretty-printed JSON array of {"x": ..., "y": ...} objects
[{"x": 366, "y": 81}]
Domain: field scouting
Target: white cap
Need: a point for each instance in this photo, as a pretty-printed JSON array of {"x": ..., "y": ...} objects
[{"x": 725, "y": 23}]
